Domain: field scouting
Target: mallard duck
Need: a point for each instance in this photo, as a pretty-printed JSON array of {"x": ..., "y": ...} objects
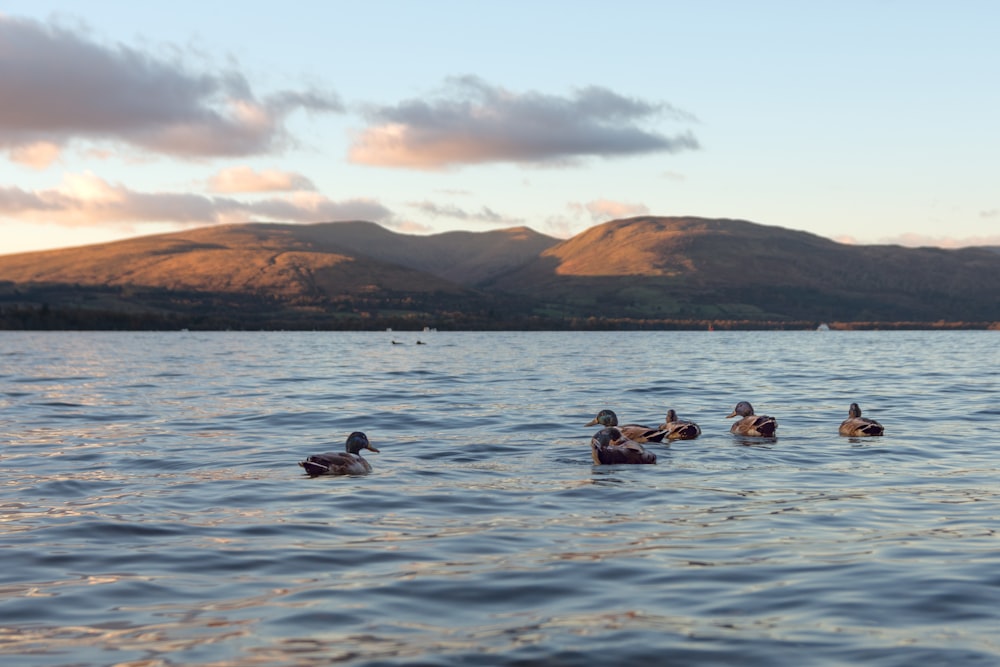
[
  {"x": 856, "y": 425},
  {"x": 610, "y": 446},
  {"x": 613, "y": 445},
  {"x": 634, "y": 432},
  {"x": 679, "y": 429},
  {"x": 755, "y": 425},
  {"x": 349, "y": 462}
]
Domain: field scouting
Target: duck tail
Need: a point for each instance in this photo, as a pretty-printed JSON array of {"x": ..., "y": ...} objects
[
  {"x": 313, "y": 468},
  {"x": 689, "y": 432},
  {"x": 872, "y": 429}
]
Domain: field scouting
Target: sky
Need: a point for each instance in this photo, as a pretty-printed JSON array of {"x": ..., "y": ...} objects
[{"x": 872, "y": 121}]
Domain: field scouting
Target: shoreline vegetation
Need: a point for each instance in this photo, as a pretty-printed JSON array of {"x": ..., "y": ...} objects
[{"x": 30, "y": 317}]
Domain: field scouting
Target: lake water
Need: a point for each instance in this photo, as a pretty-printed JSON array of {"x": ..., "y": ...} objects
[{"x": 152, "y": 512}]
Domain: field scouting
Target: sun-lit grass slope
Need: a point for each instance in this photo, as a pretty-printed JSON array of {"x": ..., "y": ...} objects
[
  {"x": 639, "y": 270},
  {"x": 699, "y": 267},
  {"x": 272, "y": 259}
]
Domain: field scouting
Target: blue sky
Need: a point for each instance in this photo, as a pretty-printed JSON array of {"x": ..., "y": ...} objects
[{"x": 865, "y": 122}]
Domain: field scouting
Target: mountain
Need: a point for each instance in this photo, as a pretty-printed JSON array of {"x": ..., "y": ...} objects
[
  {"x": 701, "y": 268},
  {"x": 633, "y": 272},
  {"x": 467, "y": 258}
]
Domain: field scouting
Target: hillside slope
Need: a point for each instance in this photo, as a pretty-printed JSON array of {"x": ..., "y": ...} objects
[
  {"x": 634, "y": 270},
  {"x": 695, "y": 267}
]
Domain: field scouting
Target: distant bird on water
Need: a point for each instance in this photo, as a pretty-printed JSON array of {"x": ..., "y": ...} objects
[
  {"x": 856, "y": 425},
  {"x": 750, "y": 424},
  {"x": 349, "y": 462},
  {"x": 610, "y": 445}
]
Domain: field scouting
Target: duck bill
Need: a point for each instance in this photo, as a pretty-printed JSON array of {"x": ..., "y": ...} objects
[
  {"x": 372, "y": 448},
  {"x": 731, "y": 415},
  {"x": 591, "y": 422}
]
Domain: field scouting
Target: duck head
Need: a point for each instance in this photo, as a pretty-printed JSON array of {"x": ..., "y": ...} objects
[
  {"x": 671, "y": 416},
  {"x": 742, "y": 409},
  {"x": 854, "y": 411},
  {"x": 358, "y": 441},
  {"x": 604, "y": 418}
]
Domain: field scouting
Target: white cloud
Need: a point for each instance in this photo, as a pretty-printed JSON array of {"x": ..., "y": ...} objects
[
  {"x": 484, "y": 214},
  {"x": 913, "y": 240},
  {"x": 473, "y": 122}
]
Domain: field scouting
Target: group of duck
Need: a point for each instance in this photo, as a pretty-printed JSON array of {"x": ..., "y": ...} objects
[
  {"x": 613, "y": 444},
  {"x": 616, "y": 444}
]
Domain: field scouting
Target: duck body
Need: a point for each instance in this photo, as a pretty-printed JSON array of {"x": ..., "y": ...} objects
[
  {"x": 634, "y": 432},
  {"x": 679, "y": 429},
  {"x": 857, "y": 426},
  {"x": 611, "y": 445},
  {"x": 348, "y": 462},
  {"x": 758, "y": 426}
]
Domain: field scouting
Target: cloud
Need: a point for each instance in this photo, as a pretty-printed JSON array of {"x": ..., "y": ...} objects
[
  {"x": 473, "y": 122},
  {"x": 602, "y": 210},
  {"x": 585, "y": 214},
  {"x": 86, "y": 200},
  {"x": 485, "y": 214},
  {"x": 58, "y": 87},
  {"x": 38, "y": 155},
  {"x": 246, "y": 179},
  {"x": 913, "y": 240}
]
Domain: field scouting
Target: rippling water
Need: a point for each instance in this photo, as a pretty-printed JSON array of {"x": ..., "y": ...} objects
[{"x": 152, "y": 512}]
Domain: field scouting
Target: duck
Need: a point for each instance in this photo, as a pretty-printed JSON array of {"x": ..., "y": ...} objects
[
  {"x": 349, "y": 462},
  {"x": 610, "y": 445},
  {"x": 856, "y": 425},
  {"x": 760, "y": 426},
  {"x": 634, "y": 432},
  {"x": 679, "y": 429}
]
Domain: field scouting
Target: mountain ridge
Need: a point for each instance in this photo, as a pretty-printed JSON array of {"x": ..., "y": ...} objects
[{"x": 634, "y": 270}]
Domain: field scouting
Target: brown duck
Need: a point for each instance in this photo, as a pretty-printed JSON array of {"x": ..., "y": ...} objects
[
  {"x": 679, "y": 429},
  {"x": 857, "y": 426},
  {"x": 750, "y": 424},
  {"x": 634, "y": 432}
]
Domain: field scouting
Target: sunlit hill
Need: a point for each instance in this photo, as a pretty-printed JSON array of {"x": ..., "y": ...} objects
[{"x": 643, "y": 272}]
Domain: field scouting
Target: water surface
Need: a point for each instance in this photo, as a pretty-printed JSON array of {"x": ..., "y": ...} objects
[{"x": 152, "y": 512}]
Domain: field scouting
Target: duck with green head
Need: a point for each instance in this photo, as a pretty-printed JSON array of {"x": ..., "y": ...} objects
[
  {"x": 857, "y": 426},
  {"x": 348, "y": 462},
  {"x": 611, "y": 445},
  {"x": 634, "y": 432}
]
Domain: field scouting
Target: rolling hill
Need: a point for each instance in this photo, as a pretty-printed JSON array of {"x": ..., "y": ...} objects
[{"x": 635, "y": 272}]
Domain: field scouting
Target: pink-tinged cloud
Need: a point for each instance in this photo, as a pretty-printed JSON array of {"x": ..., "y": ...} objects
[
  {"x": 602, "y": 210},
  {"x": 59, "y": 87},
  {"x": 247, "y": 179},
  {"x": 39, "y": 155},
  {"x": 472, "y": 122},
  {"x": 86, "y": 200},
  {"x": 585, "y": 214}
]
